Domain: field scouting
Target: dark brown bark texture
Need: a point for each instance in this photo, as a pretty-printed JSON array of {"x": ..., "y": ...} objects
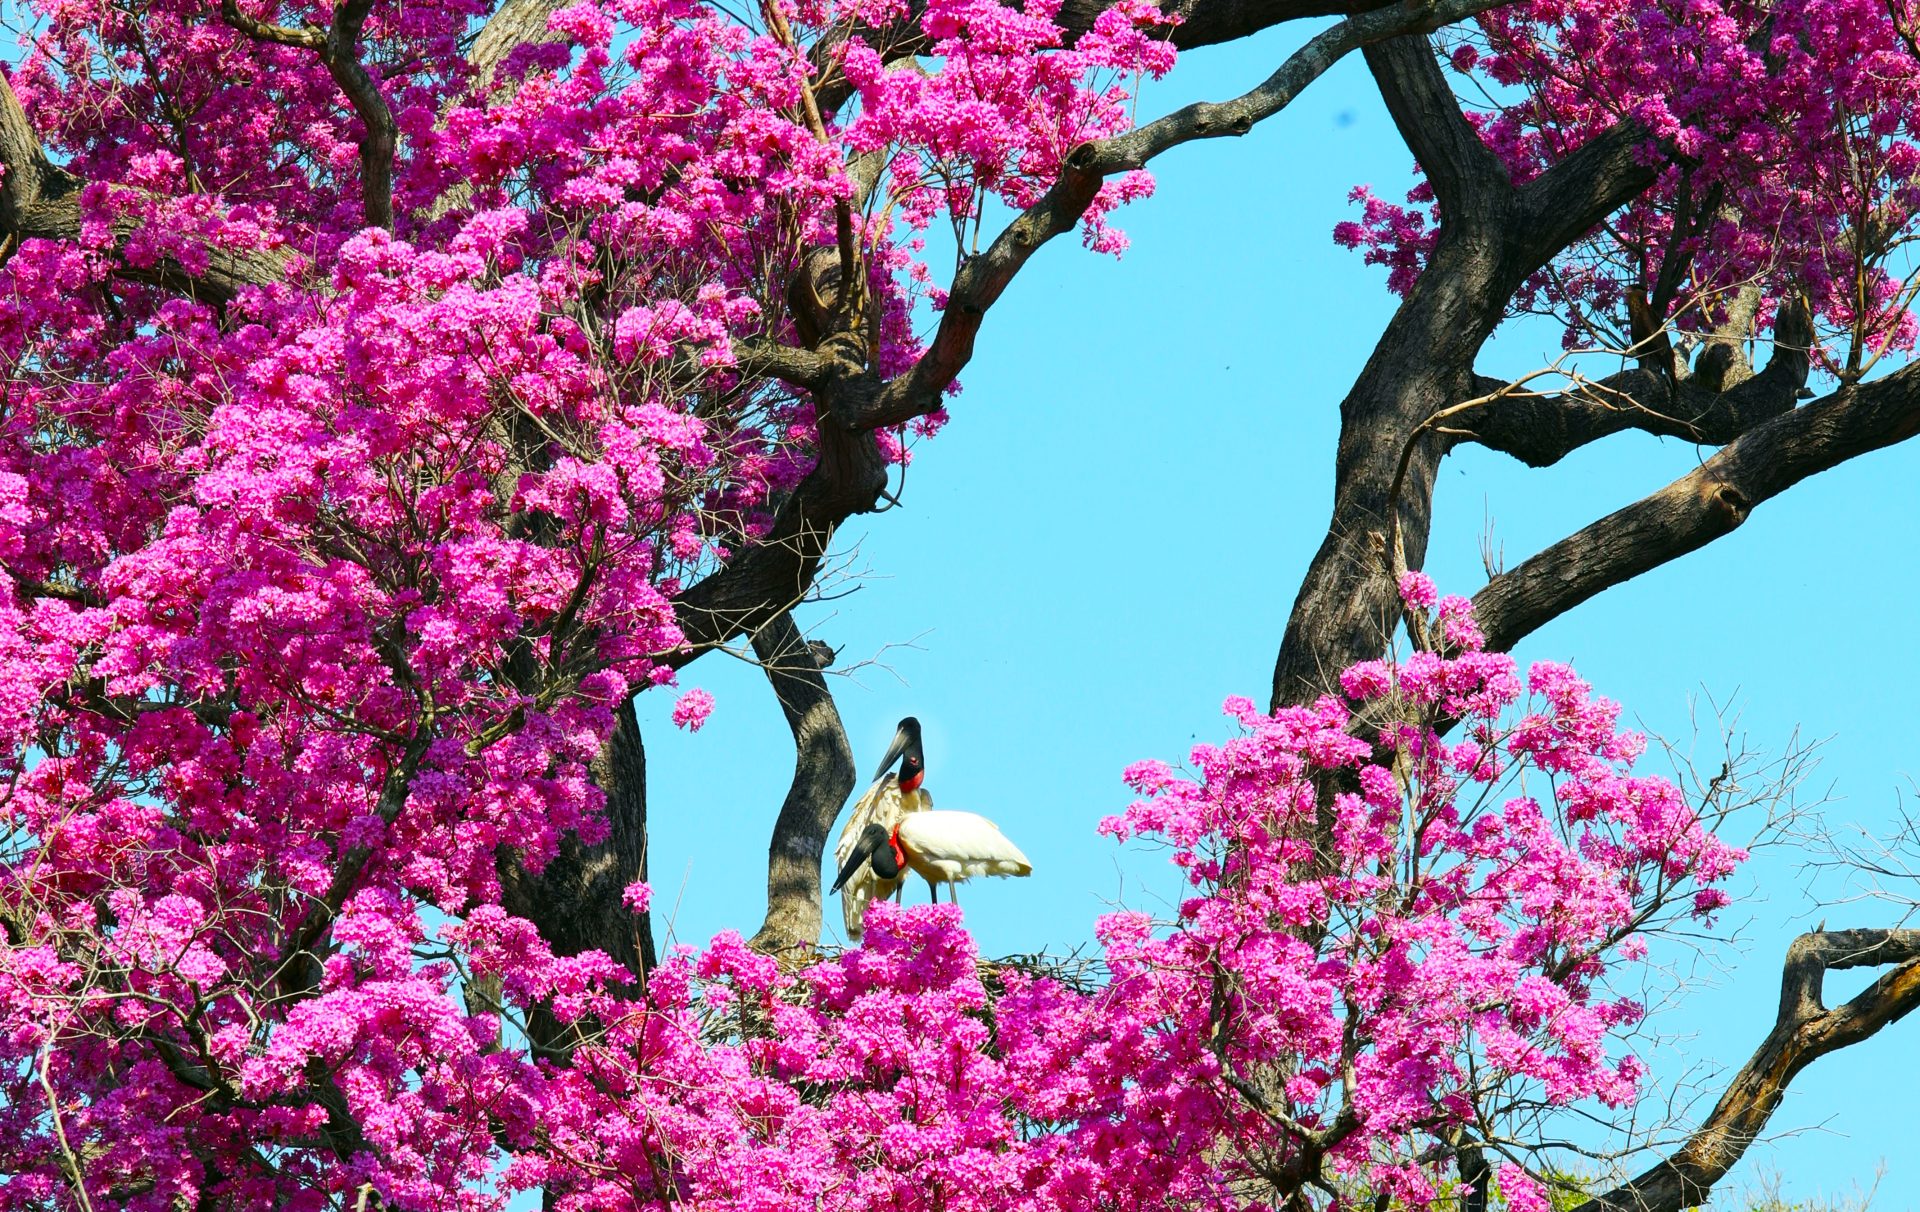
[
  {"x": 576, "y": 898},
  {"x": 1492, "y": 236},
  {"x": 1804, "y": 1031},
  {"x": 823, "y": 778}
]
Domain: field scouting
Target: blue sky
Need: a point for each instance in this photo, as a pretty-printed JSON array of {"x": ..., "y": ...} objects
[{"x": 1106, "y": 541}]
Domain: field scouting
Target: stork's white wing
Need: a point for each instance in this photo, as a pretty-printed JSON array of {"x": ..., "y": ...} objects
[
  {"x": 882, "y": 805},
  {"x": 879, "y": 806},
  {"x": 964, "y": 844}
]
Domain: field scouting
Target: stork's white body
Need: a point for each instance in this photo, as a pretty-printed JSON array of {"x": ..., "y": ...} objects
[
  {"x": 949, "y": 847},
  {"x": 885, "y": 805}
]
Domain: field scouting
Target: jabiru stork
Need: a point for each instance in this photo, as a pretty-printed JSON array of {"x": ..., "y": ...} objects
[
  {"x": 890, "y": 799},
  {"x": 944, "y": 847}
]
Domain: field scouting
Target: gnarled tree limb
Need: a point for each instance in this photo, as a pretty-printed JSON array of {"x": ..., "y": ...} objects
[
  {"x": 1467, "y": 178},
  {"x": 823, "y": 777},
  {"x": 775, "y": 573},
  {"x": 1565, "y": 202},
  {"x": 1699, "y": 507},
  {"x": 1803, "y": 1032},
  {"x": 1540, "y": 430},
  {"x": 1347, "y": 606}
]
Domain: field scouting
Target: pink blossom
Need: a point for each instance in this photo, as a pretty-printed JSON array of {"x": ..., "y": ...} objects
[
  {"x": 691, "y": 710},
  {"x": 324, "y": 600},
  {"x": 1520, "y": 1192},
  {"x": 1417, "y": 591}
]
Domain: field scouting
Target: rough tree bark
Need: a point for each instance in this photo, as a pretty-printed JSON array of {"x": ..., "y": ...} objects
[
  {"x": 823, "y": 777},
  {"x": 1803, "y": 1031},
  {"x": 1492, "y": 236},
  {"x": 576, "y": 899}
]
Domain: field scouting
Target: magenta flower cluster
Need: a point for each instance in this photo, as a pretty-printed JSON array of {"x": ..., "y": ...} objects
[
  {"x": 1786, "y": 138},
  {"x": 1353, "y": 987},
  {"x": 322, "y": 595}
]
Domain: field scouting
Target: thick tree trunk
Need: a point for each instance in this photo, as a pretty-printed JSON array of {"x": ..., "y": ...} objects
[
  {"x": 1348, "y": 604},
  {"x": 1492, "y": 236},
  {"x": 576, "y": 900},
  {"x": 823, "y": 777}
]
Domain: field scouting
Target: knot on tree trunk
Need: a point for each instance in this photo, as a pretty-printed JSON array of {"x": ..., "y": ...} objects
[{"x": 1729, "y": 503}]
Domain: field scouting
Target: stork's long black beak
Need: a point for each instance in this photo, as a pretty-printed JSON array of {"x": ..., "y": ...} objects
[
  {"x": 905, "y": 737},
  {"x": 873, "y": 841}
]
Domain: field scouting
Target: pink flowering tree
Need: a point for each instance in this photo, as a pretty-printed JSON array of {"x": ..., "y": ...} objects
[{"x": 393, "y": 392}]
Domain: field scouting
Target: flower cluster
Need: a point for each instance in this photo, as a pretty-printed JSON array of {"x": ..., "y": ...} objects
[
  {"x": 1391, "y": 937},
  {"x": 1784, "y": 138},
  {"x": 319, "y": 595}
]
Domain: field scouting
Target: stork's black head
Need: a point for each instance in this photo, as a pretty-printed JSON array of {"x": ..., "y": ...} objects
[
  {"x": 875, "y": 845},
  {"x": 906, "y": 750}
]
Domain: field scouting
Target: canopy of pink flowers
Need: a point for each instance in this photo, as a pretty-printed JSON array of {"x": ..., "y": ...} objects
[
  {"x": 1347, "y": 991},
  {"x": 320, "y": 600}
]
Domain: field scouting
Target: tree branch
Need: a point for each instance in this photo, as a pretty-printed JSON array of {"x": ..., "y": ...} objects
[
  {"x": 1700, "y": 507},
  {"x": 1469, "y": 181},
  {"x": 1565, "y": 202},
  {"x": 823, "y": 777},
  {"x": 800, "y": 367},
  {"x": 1540, "y": 430},
  {"x": 377, "y": 145},
  {"x": 1804, "y": 1031},
  {"x": 984, "y": 277},
  {"x": 1347, "y": 605},
  {"x": 775, "y": 573},
  {"x": 41, "y": 201},
  {"x": 339, "y": 49}
]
